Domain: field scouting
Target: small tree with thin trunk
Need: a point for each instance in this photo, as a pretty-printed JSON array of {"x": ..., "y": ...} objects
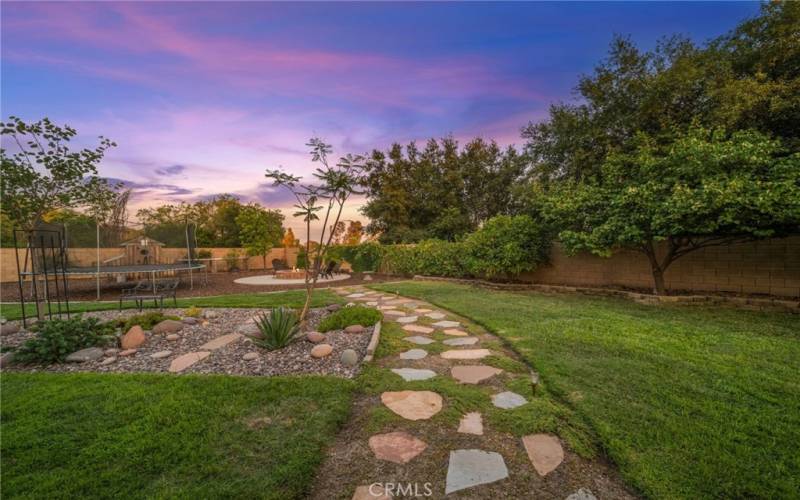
[
  {"x": 260, "y": 230},
  {"x": 334, "y": 185}
]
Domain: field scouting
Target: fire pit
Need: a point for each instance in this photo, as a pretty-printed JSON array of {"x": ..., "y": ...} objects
[{"x": 290, "y": 274}]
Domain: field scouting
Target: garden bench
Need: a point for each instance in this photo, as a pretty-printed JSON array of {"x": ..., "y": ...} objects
[{"x": 145, "y": 291}]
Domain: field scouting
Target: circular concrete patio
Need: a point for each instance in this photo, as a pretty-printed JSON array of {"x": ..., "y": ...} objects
[{"x": 269, "y": 279}]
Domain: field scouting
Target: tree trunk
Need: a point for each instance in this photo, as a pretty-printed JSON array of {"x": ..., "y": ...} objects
[
  {"x": 658, "y": 281},
  {"x": 264, "y": 258}
]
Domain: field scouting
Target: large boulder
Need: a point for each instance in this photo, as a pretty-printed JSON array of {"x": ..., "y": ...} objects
[
  {"x": 84, "y": 355},
  {"x": 168, "y": 326},
  {"x": 134, "y": 338},
  {"x": 9, "y": 329}
]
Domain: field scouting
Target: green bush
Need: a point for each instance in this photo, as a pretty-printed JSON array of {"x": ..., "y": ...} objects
[
  {"x": 147, "y": 321},
  {"x": 56, "y": 339},
  {"x": 193, "y": 312},
  {"x": 278, "y": 328},
  {"x": 430, "y": 257},
  {"x": 363, "y": 257},
  {"x": 506, "y": 246},
  {"x": 355, "y": 315}
]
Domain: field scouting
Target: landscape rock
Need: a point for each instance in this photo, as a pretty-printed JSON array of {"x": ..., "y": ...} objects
[
  {"x": 221, "y": 341},
  {"x": 413, "y": 405},
  {"x": 354, "y": 329},
  {"x": 315, "y": 337},
  {"x": 183, "y": 362},
  {"x": 189, "y": 320},
  {"x": 249, "y": 329},
  {"x": 168, "y": 326},
  {"x": 349, "y": 357},
  {"x": 508, "y": 400},
  {"x": 436, "y": 315},
  {"x": 108, "y": 361},
  {"x": 112, "y": 351},
  {"x": 454, "y": 332},
  {"x": 544, "y": 451},
  {"x": 447, "y": 324},
  {"x": 471, "y": 423},
  {"x": 473, "y": 374},
  {"x": 333, "y": 307},
  {"x": 210, "y": 314},
  {"x": 128, "y": 352},
  {"x": 407, "y": 319},
  {"x": 466, "y": 354},
  {"x": 321, "y": 350},
  {"x": 134, "y": 338},
  {"x": 412, "y": 374},
  {"x": 417, "y": 329},
  {"x": 397, "y": 447},
  {"x": 250, "y": 356},
  {"x": 172, "y": 337},
  {"x": 84, "y": 355},
  {"x": 9, "y": 329},
  {"x": 468, "y": 468},
  {"x": 414, "y": 354},
  {"x": 461, "y": 341},
  {"x": 582, "y": 494},
  {"x": 419, "y": 340},
  {"x": 160, "y": 354}
]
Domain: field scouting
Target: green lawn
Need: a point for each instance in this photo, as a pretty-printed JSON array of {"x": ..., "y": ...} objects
[
  {"x": 689, "y": 402},
  {"x": 164, "y": 436},
  {"x": 291, "y": 298}
]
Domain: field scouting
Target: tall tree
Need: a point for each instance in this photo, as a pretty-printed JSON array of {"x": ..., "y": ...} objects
[
  {"x": 260, "y": 230},
  {"x": 355, "y": 231}
]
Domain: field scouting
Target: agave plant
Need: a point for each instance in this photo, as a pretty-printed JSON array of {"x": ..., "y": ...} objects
[{"x": 278, "y": 328}]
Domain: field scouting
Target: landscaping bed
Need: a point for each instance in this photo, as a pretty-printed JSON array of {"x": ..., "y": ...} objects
[{"x": 224, "y": 333}]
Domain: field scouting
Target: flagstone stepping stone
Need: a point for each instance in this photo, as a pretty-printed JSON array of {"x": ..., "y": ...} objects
[
  {"x": 387, "y": 308},
  {"x": 161, "y": 354},
  {"x": 582, "y": 494},
  {"x": 407, "y": 319},
  {"x": 544, "y": 451},
  {"x": 372, "y": 303},
  {"x": 349, "y": 357},
  {"x": 397, "y": 447},
  {"x": 250, "y": 356},
  {"x": 461, "y": 341},
  {"x": 168, "y": 326},
  {"x": 419, "y": 340},
  {"x": 355, "y": 295},
  {"x": 394, "y": 312},
  {"x": 412, "y": 374},
  {"x": 354, "y": 329},
  {"x": 473, "y": 374},
  {"x": 508, "y": 400},
  {"x": 470, "y": 468},
  {"x": 436, "y": 315},
  {"x": 373, "y": 491},
  {"x": 397, "y": 302},
  {"x": 422, "y": 310},
  {"x": 417, "y": 329},
  {"x": 466, "y": 354},
  {"x": 387, "y": 297},
  {"x": 447, "y": 324},
  {"x": 413, "y": 405},
  {"x": 471, "y": 423},
  {"x": 321, "y": 350},
  {"x": 414, "y": 354},
  {"x": 454, "y": 332},
  {"x": 183, "y": 362},
  {"x": 84, "y": 355},
  {"x": 133, "y": 338},
  {"x": 220, "y": 341}
]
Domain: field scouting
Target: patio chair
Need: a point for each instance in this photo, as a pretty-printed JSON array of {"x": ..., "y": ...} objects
[
  {"x": 135, "y": 291},
  {"x": 328, "y": 271}
]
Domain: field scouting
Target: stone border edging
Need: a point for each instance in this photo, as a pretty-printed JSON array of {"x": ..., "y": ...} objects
[
  {"x": 373, "y": 342},
  {"x": 783, "y": 305}
]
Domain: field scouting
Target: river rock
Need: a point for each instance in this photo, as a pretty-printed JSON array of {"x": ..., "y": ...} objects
[
  {"x": 349, "y": 357},
  {"x": 354, "y": 329},
  {"x": 321, "y": 350},
  {"x": 315, "y": 337}
]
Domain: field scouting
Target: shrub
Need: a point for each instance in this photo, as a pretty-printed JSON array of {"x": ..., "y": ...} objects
[
  {"x": 232, "y": 260},
  {"x": 147, "y": 321},
  {"x": 363, "y": 257},
  {"x": 193, "y": 312},
  {"x": 56, "y": 339},
  {"x": 430, "y": 257},
  {"x": 278, "y": 328},
  {"x": 506, "y": 246},
  {"x": 355, "y": 315},
  {"x": 204, "y": 254}
]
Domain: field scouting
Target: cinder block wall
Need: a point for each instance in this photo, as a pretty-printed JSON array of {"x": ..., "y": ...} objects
[{"x": 764, "y": 267}]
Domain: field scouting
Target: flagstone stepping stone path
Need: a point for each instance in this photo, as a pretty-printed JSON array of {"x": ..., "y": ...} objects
[
  {"x": 411, "y": 374},
  {"x": 479, "y": 466},
  {"x": 185, "y": 361},
  {"x": 420, "y": 340},
  {"x": 414, "y": 354},
  {"x": 468, "y": 468},
  {"x": 471, "y": 423},
  {"x": 466, "y": 354},
  {"x": 544, "y": 451},
  {"x": 417, "y": 329},
  {"x": 397, "y": 447},
  {"x": 221, "y": 341},
  {"x": 508, "y": 400},
  {"x": 461, "y": 341},
  {"x": 473, "y": 374},
  {"x": 413, "y": 405}
]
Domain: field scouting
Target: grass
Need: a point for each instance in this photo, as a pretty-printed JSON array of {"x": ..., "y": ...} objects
[
  {"x": 688, "y": 402},
  {"x": 161, "y": 436},
  {"x": 291, "y": 298}
]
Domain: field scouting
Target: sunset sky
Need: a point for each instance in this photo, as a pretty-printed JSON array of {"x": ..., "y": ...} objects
[{"x": 203, "y": 97}]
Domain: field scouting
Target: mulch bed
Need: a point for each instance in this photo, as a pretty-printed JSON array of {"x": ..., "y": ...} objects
[
  {"x": 218, "y": 284},
  {"x": 293, "y": 359}
]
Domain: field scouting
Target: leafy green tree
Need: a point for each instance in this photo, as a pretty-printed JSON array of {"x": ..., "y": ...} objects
[
  {"x": 44, "y": 174},
  {"x": 260, "y": 230},
  {"x": 705, "y": 189},
  {"x": 506, "y": 246}
]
